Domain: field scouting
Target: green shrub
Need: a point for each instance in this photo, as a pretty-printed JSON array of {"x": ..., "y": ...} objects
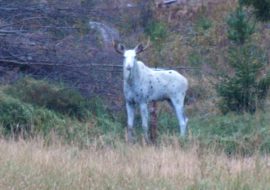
[
  {"x": 55, "y": 97},
  {"x": 45, "y": 121},
  {"x": 36, "y": 107},
  {"x": 18, "y": 117},
  {"x": 246, "y": 89},
  {"x": 261, "y": 8},
  {"x": 243, "y": 88},
  {"x": 14, "y": 115},
  {"x": 240, "y": 27}
]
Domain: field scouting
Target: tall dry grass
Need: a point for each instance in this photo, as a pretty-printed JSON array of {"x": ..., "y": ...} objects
[{"x": 31, "y": 165}]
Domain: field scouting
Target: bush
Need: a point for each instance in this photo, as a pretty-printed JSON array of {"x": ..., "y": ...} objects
[
  {"x": 14, "y": 115},
  {"x": 22, "y": 118},
  {"x": 246, "y": 89},
  {"x": 261, "y": 8},
  {"x": 240, "y": 27},
  {"x": 51, "y": 96},
  {"x": 35, "y": 107}
]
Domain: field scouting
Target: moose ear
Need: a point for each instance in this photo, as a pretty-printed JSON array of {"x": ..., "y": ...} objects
[
  {"x": 119, "y": 48},
  {"x": 139, "y": 48}
]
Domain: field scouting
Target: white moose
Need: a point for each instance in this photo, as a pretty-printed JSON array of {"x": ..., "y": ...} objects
[{"x": 143, "y": 85}]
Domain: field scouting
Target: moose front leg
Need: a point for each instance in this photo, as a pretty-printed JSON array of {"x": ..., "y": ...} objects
[{"x": 130, "y": 115}]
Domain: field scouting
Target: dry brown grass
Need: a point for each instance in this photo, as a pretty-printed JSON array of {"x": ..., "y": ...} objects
[{"x": 30, "y": 165}]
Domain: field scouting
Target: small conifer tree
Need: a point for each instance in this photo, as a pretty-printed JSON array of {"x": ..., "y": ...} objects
[
  {"x": 261, "y": 8},
  {"x": 240, "y": 27},
  {"x": 245, "y": 88}
]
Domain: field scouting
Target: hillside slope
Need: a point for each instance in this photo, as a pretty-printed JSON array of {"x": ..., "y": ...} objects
[{"x": 71, "y": 41}]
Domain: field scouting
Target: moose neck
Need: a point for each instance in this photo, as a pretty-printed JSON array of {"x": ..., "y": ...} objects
[{"x": 132, "y": 77}]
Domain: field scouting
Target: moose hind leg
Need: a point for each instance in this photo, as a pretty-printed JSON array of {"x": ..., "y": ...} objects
[
  {"x": 144, "y": 116},
  {"x": 178, "y": 105},
  {"x": 130, "y": 116}
]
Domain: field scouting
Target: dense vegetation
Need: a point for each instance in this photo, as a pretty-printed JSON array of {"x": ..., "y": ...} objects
[
  {"x": 77, "y": 143},
  {"x": 32, "y": 108},
  {"x": 245, "y": 90},
  {"x": 35, "y": 107}
]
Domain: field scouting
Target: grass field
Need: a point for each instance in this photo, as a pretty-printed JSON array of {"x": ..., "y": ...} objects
[
  {"x": 78, "y": 144},
  {"x": 31, "y": 165}
]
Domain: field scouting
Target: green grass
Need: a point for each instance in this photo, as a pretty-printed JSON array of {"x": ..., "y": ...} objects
[
  {"x": 35, "y": 107},
  {"x": 242, "y": 134}
]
